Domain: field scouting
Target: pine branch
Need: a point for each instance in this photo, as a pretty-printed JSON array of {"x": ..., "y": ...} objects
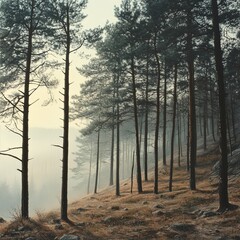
[
  {"x": 55, "y": 145},
  {"x": 10, "y": 155}
]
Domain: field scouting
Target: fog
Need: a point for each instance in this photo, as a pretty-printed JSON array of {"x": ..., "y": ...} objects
[{"x": 44, "y": 171}]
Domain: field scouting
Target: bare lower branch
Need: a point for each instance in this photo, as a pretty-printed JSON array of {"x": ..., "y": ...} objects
[
  {"x": 10, "y": 155},
  {"x": 10, "y": 149},
  {"x": 19, "y": 134},
  {"x": 33, "y": 102},
  {"x": 57, "y": 146}
]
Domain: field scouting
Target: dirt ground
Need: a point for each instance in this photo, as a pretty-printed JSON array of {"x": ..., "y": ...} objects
[{"x": 180, "y": 214}]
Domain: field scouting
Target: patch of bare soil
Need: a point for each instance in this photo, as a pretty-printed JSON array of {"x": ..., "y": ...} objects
[{"x": 180, "y": 214}]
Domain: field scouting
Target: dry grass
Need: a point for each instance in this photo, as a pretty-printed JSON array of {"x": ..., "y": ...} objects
[{"x": 138, "y": 217}]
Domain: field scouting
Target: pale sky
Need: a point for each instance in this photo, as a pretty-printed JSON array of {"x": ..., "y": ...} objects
[{"x": 98, "y": 12}]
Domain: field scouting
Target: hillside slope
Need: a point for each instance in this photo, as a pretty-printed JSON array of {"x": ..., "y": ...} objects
[{"x": 181, "y": 214}]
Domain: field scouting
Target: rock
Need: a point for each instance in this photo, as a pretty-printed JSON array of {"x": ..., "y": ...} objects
[
  {"x": 59, "y": 227},
  {"x": 205, "y": 214},
  {"x": 144, "y": 202},
  {"x": 125, "y": 209},
  {"x": 108, "y": 219},
  {"x": 183, "y": 227},
  {"x": 81, "y": 224},
  {"x": 55, "y": 221},
  {"x": 14, "y": 233},
  {"x": 100, "y": 206},
  {"x": 209, "y": 214},
  {"x": 80, "y": 210},
  {"x": 2, "y": 220},
  {"x": 69, "y": 237},
  {"x": 158, "y": 213},
  {"x": 115, "y": 208},
  {"x": 24, "y": 229},
  {"x": 158, "y": 206},
  {"x": 228, "y": 238}
]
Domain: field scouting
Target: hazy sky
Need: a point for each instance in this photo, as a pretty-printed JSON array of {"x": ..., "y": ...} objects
[{"x": 98, "y": 12}]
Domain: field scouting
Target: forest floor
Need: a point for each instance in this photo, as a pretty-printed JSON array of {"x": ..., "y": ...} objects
[{"x": 180, "y": 214}]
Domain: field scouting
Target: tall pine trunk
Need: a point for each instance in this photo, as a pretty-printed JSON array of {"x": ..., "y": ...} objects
[
  {"x": 173, "y": 128},
  {"x": 157, "y": 117},
  {"x": 25, "y": 131},
  {"x": 146, "y": 124},
  {"x": 164, "y": 114},
  {"x": 97, "y": 162},
  {"x": 113, "y": 137},
  {"x": 138, "y": 160},
  {"x": 192, "y": 107},
  {"x": 90, "y": 169},
  {"x": 212, "y": 115},
  {"x": 64, "y": 196},
  {"x": 118, "y": 147},
  {"x": 223, "y": 171}
]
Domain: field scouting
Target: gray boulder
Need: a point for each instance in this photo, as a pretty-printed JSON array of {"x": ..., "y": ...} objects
[
  {"x": 183, "y": 227},
  {"x": 69, "y": 237}
]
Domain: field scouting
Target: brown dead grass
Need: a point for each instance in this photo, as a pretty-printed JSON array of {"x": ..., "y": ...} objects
[{"x": 93, "y": 217}]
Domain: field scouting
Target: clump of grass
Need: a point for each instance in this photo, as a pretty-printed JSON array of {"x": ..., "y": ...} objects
[
  {"x": 195, "y": 201},
  {"x": 16, "y": 214}
]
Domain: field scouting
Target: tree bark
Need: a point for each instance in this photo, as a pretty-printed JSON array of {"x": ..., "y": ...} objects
[
  {"x": 113, "y": 137},
  {"x": 164, "y": 115},
  {"x": 157, "y": 117},
  {"x": 212, "y": 115},
  {"x": 97, "y": 162},
  {"x": 223, "y": 171},
  {"x": 118, "y": 142},
  {"x": 146, "y": 125},
  {"x": 25, "y": 131},
  {"x": 90, "y": 168},
  {"x": 64, "y": 196},
  {"x": 173, "y": 128},
  {"x": 138, "y": 160},
  {"x": 192, "y": 107}
]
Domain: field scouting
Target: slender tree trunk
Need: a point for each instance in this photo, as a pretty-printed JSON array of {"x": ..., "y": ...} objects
[
  {"x": 146, "y": 125},
  {"x": 90, "y": 169},
  {"x": 212, "y": 115},
  {"x": 112, "y": 156},
  {"x": 138, "y": 160},
  {"x": 205, "y": 112},
  {"x": 165, "y": 114},
  {"x": 200, "y": 122},
  {"x": 113, "y": 138},
  {"x": 233, "y": 117},
  {"x": 179, "y": 136},
  {"x": 25, "y": 131},
  {"x": 192, "y": 110},
  {"x": 97, "y": 162},
  {"x": 205, "y": 126},
  {"x": 223, "y": 172},
  {"x": 229, "y": 134},
  {"x": 157, "y": 117},
  {"x": 188, "y": 147},
  {"x": 132, "y": 170},
  {"x": 173, "y": 128},
  {"x": 118, "y": 143},
  {"x": 64, "y": 196}
]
